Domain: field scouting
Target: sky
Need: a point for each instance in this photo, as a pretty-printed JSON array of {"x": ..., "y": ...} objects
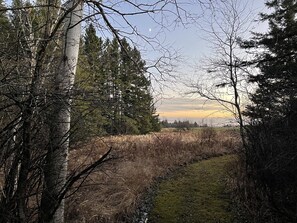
[
  {"x": 185, "y": 44},
  {"x": 191, "y": 42}
]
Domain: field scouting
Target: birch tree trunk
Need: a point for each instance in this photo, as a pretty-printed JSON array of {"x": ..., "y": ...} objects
[{"x": 55, "y": 171}]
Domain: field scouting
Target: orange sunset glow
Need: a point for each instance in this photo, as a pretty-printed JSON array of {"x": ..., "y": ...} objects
[
  {"x": 196, "y": 109},
  {"x": 192, "y": 114}
]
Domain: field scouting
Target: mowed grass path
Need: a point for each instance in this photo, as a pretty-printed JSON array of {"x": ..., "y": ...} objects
[{"x": 196, "y": 194}]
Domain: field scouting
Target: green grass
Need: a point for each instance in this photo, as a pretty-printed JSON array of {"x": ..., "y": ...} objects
[{"x": 196, "y": 194}]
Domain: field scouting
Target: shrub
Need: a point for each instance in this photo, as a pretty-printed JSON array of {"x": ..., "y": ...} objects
[{"x": 208, "y": 135}]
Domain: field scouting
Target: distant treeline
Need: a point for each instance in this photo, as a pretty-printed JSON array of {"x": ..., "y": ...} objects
[{"x": 181, "y": 124}]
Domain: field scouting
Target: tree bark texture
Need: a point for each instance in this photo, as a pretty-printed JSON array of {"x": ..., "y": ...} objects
[{"x": 55, "y": 171}]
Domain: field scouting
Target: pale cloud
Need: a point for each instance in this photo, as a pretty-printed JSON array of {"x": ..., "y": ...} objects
[
  {"x": 179, "y": 104},
  {"x": 183, "y": 108},
  {"x": 195, "y": 114}
]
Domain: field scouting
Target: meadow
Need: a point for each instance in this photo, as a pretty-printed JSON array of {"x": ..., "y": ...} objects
[{"x": 114, "y": 191}]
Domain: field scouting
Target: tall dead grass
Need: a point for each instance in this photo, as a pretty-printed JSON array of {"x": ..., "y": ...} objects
[{"x": 113, "y": 192}]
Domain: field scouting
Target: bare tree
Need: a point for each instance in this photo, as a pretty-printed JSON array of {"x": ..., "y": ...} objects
[{"x": 225, "y": 80}]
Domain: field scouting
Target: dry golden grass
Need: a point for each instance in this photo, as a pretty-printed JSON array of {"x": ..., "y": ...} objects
[{"x": 113, "y": 192}]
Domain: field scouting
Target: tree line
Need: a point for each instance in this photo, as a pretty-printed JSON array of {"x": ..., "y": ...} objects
[
  {"x": 181, "y": 124},
  {"x": 113, "y": 90}
]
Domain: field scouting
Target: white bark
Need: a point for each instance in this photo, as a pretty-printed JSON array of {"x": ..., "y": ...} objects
[
  {"x": 65, "y": 81},
  {"x": 57, "y": 157}
]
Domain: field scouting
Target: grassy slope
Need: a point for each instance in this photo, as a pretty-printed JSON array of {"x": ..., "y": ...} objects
[{"x": 196, "y": 194}]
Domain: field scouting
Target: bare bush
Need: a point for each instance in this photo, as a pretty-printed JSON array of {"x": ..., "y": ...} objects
[{"x": 208, "y": 135}]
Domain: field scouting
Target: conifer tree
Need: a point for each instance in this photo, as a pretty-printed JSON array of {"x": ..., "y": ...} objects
[
  {"x": 90, "y": 100},
  {"x": 276, "y": 95},
  {"x": 135, "y": 87},
  {"x": 271, "y": 151},
  {"x": 112, "y": 75}
]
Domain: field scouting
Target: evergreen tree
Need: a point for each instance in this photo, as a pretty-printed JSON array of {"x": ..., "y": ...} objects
[
  {"x": 136, "y": 98},
  {"x": 276, "y": 94},
  {"x": 271, "y": 152},
  {"x": 90, "y": 101},
  {"x": 117, "y": 94}
]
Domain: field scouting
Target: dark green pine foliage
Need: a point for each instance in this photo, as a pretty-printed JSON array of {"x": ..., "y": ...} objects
[
  {"x": 271, "y": 155},
  {"x": 112, "y": 82},
  {"x": 88, "y": 116},
  {"x": 131, "y": 109},
  {"x": 137, "y": 108},
  {"x": 276, "y": 95},
  {"x": 113, "y": 92}
]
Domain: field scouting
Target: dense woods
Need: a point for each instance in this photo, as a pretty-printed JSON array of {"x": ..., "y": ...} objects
[
  {"x": 271, "y": 150},
  {"x": 51, "y": 94},
  {"x": 38, "y": 64}
]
